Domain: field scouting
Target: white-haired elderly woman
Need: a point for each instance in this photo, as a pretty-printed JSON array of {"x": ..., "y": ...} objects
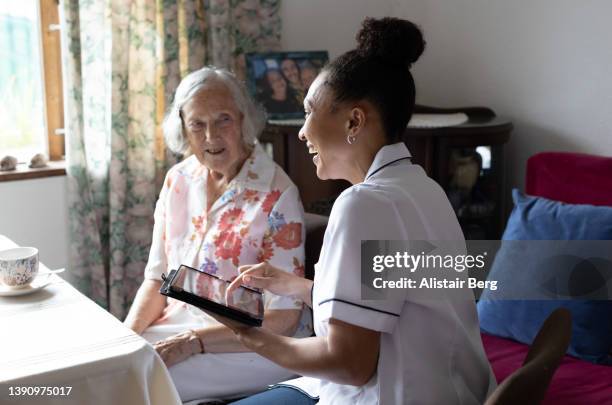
[{"x": 226, "y": 205}]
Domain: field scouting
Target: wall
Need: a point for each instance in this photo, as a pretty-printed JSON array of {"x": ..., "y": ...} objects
[
  {"x": 545, "y": 65},
  {"x": 34, "y": 213},
  {"x": 324, "y": 24}
]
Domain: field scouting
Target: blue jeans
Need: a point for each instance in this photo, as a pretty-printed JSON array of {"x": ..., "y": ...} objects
[{"x": 278, "y": 396}]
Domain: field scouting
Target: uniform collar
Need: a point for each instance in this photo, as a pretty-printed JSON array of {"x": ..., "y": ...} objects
[{"x": 387, "y": 155}]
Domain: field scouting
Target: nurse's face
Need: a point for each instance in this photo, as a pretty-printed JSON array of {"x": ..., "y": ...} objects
[{"x": 325, "y": 130}]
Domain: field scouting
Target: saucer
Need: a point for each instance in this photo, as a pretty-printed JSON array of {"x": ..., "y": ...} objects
[{"x": 41, "y": 281}]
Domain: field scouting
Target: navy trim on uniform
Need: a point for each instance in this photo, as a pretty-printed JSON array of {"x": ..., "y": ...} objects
[
  {"x": 358, "y": 305},
  {"x": 385, "y": 165},
  {"x": 312, "y": 309}
]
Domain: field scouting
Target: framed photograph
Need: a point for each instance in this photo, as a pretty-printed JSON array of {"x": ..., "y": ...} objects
[{"x": 280, "y": 80}]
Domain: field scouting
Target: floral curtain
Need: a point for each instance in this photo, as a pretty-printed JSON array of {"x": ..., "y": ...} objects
[{"x": 122, "y": 62}]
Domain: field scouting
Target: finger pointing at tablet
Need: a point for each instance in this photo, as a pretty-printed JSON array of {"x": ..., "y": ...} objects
[{"x": 272, "y": 279}]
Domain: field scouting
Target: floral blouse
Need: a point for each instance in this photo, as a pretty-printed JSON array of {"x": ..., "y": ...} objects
[{"x": 258, "y": 218}]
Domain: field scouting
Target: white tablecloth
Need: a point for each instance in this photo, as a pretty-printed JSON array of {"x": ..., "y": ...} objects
[{"x": 57, "y": 337}]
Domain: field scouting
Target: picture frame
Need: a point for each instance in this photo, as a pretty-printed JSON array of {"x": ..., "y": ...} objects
[{"x": 280, "y": 80}]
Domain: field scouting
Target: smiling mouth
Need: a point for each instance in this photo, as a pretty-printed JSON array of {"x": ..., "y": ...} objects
[
  {"x": 313, "y": 151},
  {"x": 215, "y": 151}
]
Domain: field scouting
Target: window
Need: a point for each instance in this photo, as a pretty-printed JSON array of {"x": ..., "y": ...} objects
[{"x": 30, "y": 80}]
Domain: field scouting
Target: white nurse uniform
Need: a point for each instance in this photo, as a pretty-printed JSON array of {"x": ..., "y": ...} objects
[{"x": 430, "y": 349}]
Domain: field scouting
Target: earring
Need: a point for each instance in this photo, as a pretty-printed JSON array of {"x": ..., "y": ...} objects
[{"x": 351, "y": 139}]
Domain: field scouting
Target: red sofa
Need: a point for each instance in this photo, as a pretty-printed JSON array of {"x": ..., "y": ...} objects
[{"x": 577, "y": 179}]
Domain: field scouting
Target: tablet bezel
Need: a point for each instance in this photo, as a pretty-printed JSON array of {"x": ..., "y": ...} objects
[{"x": 204, "y": 303}]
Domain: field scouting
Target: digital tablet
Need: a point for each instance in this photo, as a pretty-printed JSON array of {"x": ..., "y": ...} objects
[{"x": 207, "y": 291}]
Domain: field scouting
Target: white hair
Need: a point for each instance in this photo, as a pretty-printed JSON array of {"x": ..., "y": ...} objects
[{"x": 254, "y": 117}]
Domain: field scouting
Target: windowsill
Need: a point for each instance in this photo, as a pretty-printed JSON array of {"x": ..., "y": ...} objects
[{"x": 23, "y": 172}]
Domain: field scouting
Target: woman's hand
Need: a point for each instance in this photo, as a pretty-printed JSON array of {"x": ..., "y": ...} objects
[
  {"x": 270, "y": 278},
  {"x": 177, "y": 348}
]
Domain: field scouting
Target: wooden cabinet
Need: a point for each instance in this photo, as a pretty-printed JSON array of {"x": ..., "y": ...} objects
[
  {"x": 467, "y": 160},
  {"x": 292, "y": 155},
  {"x": 450, "y": 155}
]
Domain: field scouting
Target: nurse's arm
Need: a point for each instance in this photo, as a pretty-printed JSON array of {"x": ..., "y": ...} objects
[
  {"x": 220, "y": 339},
  {"x": 347, "y": 355},
  {"x": 273, "y": 279}
]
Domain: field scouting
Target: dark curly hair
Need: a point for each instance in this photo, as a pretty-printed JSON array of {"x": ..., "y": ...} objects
[{"x": 378, "y": 70}]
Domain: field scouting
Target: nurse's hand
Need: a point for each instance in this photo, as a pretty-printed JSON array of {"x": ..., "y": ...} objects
[
  {"x": 243, "y": 333},
  {"x": 267, "y": 277},
  {"x": 235, "y": 326},
  {"x": 177, "y": 348}
]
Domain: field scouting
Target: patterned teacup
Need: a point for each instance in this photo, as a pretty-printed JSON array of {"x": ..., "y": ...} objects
[{"x": 18, "y": 266}]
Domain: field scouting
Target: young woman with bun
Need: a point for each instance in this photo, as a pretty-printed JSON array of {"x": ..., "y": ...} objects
[{"x": 408, "y": 351}]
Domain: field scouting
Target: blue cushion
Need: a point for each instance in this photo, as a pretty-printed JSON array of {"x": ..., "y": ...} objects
[{"x": 535, "y": 218}]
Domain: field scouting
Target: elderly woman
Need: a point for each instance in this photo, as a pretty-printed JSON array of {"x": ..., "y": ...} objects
[{"x": 226, "y": 205}]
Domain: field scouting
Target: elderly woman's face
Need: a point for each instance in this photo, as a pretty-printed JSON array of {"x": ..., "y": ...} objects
[{"x": 212, "y": 125}]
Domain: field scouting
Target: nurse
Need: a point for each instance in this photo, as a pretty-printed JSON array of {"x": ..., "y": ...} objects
[{"x": 404, "y": 351}]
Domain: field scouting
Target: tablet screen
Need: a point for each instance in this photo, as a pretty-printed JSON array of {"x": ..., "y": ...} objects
[{"x": 213, "y": 288}]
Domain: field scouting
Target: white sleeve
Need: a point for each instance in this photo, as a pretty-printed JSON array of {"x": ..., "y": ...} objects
[
  {"x": 285, "y": 236},
  {"x": 158, "y": 263},
  {"x": 357, "y": 215}
]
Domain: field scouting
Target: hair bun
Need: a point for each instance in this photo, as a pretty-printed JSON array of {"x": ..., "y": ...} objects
[{"x": 391, "y": 39}]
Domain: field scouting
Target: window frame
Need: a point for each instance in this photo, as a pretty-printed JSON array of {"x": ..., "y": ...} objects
[
  {"x": 50, "y": 43},
  {"x": 50, "y": 36}
]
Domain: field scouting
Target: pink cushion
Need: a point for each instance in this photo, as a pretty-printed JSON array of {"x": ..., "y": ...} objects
[
  {"x": 570, "y": 177},
  {"x": 576, "y": 382}
]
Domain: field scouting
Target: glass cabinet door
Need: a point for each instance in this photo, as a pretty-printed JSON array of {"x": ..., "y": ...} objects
[{"x": 472, "y": 177}]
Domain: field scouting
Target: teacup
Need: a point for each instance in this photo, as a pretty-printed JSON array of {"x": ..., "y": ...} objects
[{"x": 18, "y": 266}]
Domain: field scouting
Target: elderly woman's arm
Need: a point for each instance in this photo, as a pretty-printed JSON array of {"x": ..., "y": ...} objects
[
  {"x": 149, "y": 304},
  {"x": 221, "y": 339},
  {"x": 147, "y": 307}
]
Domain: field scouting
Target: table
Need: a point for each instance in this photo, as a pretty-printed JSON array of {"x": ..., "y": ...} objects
[{"x": 57, "y": 337}]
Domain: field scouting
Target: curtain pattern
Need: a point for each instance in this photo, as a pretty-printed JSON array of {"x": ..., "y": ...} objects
[
  {"x": 122, "y": 62},
  {"x": 241, "y": 26}
]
